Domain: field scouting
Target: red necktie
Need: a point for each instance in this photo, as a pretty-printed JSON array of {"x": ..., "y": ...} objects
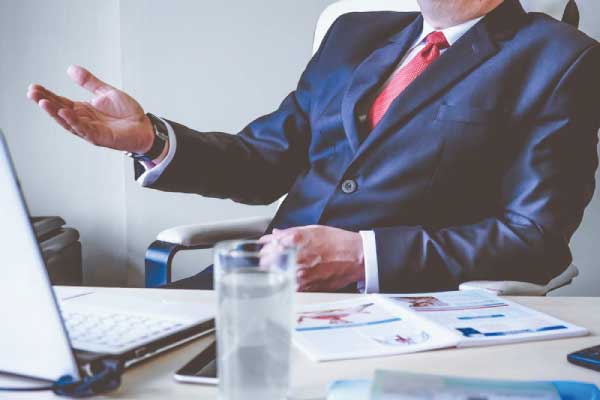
[{"x": 435, "y": 42}]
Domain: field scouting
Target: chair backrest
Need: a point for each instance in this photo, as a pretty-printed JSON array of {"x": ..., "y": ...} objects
[{"x": 555, "y": 8}]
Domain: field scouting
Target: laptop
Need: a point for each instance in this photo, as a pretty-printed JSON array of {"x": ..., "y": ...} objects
[{"x": 45, "y": 335}]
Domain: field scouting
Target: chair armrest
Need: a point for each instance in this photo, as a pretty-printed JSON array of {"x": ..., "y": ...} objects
[
  {"x": 512, "y": 288},
  {"x": 207, "y": 235},
  {"x": 160, "y": 254}
]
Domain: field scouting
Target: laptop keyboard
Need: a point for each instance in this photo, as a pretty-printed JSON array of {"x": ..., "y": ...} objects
[{"x": 110, "y": 332}]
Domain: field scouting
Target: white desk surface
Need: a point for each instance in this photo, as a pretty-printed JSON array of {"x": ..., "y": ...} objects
[{"x": 546, "y": 360}]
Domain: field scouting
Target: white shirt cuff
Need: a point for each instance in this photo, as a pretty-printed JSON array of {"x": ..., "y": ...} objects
[
  {"x": 153, "y": 173},
  {"x": 371, "y": 283}
]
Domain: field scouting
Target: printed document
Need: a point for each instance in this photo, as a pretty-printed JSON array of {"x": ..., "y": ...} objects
[{"x": 378, "y": 325}]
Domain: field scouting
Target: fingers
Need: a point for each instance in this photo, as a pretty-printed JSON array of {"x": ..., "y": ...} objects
[
  {"x": 302, "y": 281},
  {"x": 87, "y": 80},
  {"x": 307, "y": 281},
  {"x": 50, "y": 103},
  {"x": 37, "y": 93},
  {"x": 309, "y": 257},
  {"x": 280, "y": 239},
  {"x": 72, "y": 116},
  {"x": 266, "y": 239},
  {"x": 52, "y": 110},
  {"x": 308, "y": 254},
  {"x": 290, "y": 237}
]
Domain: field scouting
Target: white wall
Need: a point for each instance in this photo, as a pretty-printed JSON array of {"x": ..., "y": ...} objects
[
  {"x": 61, "y": 175},
  {"x": 213, "y": 65}
]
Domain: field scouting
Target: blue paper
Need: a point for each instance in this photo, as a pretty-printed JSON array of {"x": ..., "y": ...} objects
[
  {"x": 349, "y": 390},
  {"x": 361, "y": 390},
  {"x": 577, "y": 390}
]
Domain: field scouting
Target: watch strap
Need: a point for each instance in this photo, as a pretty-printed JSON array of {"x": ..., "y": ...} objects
[{"x": 161, "y": 138}]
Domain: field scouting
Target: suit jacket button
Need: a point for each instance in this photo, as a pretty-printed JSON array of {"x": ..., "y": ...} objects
[{"x": 349, "y": 186}]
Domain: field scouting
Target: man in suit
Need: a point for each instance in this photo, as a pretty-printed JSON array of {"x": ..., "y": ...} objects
[{"x": 419, "y": 150}]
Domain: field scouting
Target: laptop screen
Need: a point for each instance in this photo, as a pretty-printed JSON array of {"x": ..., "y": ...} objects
[{"x": 33, "y": 340}]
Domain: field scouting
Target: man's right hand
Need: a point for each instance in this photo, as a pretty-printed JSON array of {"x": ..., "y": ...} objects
[{"x": 111, "y": 119}]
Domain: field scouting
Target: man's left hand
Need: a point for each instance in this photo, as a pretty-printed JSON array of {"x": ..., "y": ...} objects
[{"x": 328, "y": 258}]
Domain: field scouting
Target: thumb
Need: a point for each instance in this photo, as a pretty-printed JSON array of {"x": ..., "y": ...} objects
[{"x": 87, "y": 80}]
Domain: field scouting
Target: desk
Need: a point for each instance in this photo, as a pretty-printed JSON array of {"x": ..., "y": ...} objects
[{"x": 532, "y": 361}]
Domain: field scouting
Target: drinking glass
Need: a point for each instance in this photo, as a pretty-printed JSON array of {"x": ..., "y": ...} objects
[{"x": 255, "y": 286}]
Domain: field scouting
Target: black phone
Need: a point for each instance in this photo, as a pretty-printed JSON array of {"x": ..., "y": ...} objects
[
  {"x": 589, "y": 358},
  {"x": 201, "y": 369}
]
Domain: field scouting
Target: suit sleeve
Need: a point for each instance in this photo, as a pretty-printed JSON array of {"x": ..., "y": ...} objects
[
  {"x": 256, "y": 166},
  {"x": 545, "y": 190}
]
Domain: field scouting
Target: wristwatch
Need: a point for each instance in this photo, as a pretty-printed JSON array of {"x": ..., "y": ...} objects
[{"x": 161, "y": 138}]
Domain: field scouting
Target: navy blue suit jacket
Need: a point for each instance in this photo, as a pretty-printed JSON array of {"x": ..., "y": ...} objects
[{"x": 481, "y": 169}]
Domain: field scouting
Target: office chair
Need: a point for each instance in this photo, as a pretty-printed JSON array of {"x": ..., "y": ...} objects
[
  {"x": 159, "y": 255},
  {"x": 61, "y": 250}
]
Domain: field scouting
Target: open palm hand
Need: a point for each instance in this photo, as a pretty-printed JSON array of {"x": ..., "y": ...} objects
[{"x": 110, "y": 119}]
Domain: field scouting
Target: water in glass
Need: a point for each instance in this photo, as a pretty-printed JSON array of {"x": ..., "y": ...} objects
[{"x": 254, "y": 325}]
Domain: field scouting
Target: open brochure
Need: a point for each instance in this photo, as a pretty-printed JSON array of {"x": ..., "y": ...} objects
[{"x": 378, "y": 325}]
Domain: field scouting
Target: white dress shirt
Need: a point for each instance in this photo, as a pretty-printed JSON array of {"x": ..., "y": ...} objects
[{"x": 371, "y": 283}]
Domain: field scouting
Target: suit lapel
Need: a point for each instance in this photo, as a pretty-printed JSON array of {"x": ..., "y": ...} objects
[
  {"x": 372, "y": 73},
  {"x": 475, "y": 47}
]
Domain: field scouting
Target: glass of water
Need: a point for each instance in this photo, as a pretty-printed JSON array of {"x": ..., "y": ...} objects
[{"x": 255, "y": 286}]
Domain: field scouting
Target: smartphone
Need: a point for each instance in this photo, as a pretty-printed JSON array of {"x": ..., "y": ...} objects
[
  {"x": 588, "y": 358},
  {"x": 201, "y": 369}
]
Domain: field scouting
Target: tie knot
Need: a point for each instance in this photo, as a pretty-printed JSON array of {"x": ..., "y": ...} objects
[{"x": 437, "y": 39}]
